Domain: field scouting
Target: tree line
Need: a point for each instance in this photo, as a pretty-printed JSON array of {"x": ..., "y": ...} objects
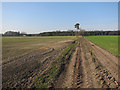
[
  {"x": 63, "y": 33},
  {"x": 82, "y": 32}
]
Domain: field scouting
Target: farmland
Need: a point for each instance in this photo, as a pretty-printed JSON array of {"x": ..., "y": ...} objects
[
  {"x": 26, "y": 58},
  {"x": 16, "y": 46},
  {"x": 59, "y": 62},
  {"x": 109, "y": 43}
]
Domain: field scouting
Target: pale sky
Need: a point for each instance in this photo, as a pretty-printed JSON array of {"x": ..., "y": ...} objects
[{"x": 36, "y": 17}]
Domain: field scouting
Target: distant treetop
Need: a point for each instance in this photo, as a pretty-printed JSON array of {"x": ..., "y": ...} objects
[{"x": 77, "y": 25}]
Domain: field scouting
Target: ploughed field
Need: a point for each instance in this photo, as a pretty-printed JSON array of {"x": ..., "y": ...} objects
[
  {"x": 59, "y": 62},
  {"x": 27, "y": 61}
]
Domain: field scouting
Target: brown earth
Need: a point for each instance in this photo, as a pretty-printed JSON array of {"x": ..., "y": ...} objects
[
  {"x": 22, "y": 71},
  {"x": 90, "y": 67}
]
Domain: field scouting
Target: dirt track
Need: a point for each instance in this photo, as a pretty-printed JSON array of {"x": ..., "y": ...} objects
[{"x": 90, "y": 67}]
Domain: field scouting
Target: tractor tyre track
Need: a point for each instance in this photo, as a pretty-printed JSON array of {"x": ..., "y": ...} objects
[{"x": 94, "y": 67}]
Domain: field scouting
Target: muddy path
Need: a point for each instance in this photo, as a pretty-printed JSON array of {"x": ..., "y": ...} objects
[
  {"x": 66, "y": 78},
  {"x": 90, "y": 67},
  {"x": 108, "y": 60}
]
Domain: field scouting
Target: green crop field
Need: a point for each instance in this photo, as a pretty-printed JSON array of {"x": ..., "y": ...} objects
[{"x": 109, "y": 43}]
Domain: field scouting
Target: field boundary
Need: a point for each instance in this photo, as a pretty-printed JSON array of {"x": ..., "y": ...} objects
[{"x": 101, "y": 47}]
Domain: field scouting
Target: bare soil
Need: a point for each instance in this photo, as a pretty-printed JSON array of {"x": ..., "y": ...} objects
[
  {"x": 90, "y": 67},
  {"x": 22, "y": 71}
]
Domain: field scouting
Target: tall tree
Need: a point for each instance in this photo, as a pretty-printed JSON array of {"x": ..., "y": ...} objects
[{"x": 77, "y": 27}]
